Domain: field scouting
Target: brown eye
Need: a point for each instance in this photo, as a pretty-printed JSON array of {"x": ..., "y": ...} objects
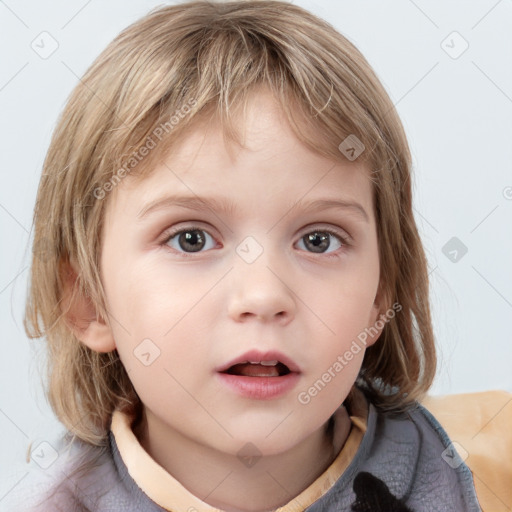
[
  {"x": 320, "y": 241},
  {"x": 190, "y": 240}
]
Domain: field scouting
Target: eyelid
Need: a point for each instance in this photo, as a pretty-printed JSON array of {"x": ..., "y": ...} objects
[
  {"x": 342, "y": 234},
  {"x": 172, "y": 232}
]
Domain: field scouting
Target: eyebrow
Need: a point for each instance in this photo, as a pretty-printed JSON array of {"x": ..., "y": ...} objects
[{"x": 227, "y": 206}]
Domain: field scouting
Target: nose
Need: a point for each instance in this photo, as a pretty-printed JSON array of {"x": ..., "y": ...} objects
[{"x": 260, "y": 292}]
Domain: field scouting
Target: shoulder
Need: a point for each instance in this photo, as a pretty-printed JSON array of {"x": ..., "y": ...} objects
[
  {"x": 403, "y": 461},
  {"x": 479, "y": 425},
  {"x": 61, "y": 476},
  {"x": 72, "y": 476}
]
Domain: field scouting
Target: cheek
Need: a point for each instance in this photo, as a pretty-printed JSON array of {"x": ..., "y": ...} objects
[
  {"x": 346, "y": 309},
  {"x": 348, "y": 299},
  {"x": 150, "y": 296},
  {"x": 166, "y": 306}
]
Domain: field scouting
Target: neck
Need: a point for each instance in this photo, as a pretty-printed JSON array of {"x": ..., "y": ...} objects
[{"x": 241, "y": 484}]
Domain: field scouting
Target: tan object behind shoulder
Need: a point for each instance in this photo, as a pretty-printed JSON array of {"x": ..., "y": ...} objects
[{"x": 480, "y": 426}]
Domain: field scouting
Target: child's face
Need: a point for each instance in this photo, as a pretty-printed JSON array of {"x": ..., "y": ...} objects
[{"x": 246, "y": 279}]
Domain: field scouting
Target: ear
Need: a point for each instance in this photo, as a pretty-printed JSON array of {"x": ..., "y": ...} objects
[{"x": 81, "y": 315}]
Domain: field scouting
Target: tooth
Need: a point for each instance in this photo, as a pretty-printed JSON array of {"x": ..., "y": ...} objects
[{"x": 269, "y": 363}]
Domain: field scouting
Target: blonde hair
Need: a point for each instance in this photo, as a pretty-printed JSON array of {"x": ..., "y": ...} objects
[{"x": 212, "y": 57}]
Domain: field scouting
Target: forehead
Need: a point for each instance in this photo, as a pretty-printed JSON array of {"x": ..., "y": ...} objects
[{"x": 271, "y": 166}]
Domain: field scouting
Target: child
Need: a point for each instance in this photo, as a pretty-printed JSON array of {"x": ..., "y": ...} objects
[{"x": 236, "y": 302}]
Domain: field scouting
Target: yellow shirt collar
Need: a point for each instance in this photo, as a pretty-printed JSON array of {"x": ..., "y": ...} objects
[{"x": 168, "y": 493}]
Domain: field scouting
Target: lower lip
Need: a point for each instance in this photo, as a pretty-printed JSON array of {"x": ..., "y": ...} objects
[{"x": 260, "y": 388}]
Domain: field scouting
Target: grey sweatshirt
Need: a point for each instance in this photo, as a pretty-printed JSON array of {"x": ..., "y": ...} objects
[{"x": 405, "y": 462}]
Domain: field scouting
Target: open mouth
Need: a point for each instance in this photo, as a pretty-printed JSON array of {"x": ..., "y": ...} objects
[
  {"x": 258, "y": 369},
  {"x": 260, "y": 375}
]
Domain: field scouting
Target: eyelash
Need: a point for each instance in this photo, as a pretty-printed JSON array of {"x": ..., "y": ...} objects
[{"x": 343, "y": 239}]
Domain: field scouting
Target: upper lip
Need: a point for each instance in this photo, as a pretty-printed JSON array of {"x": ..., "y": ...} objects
[{"x": 256, "y": 355}]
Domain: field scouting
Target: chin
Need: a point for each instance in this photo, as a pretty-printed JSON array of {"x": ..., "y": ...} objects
[{"x": 267, "y": 441}]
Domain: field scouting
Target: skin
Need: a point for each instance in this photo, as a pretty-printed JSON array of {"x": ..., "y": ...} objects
[{"x": 202, "y": 309}]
